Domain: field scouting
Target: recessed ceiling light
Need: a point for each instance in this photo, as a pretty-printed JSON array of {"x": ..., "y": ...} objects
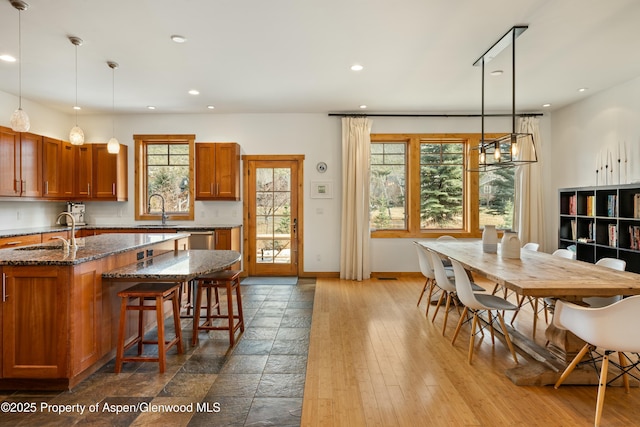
[
  {"x": 583, "y": 89},
  {"x": 357, "y": 67},
  {"x": 497, "y": 72},
  {"x": 546, "y": 105},
  {"x": 363, "y": 106},
  {"x": 151, "y": 107},
  {"x": 210, "y": 107},
  {"x": 178, "y": 39},
  {"x": 75, "y": 107},
  {"x": 194, "y": 92},
  {"x": 7, "y": 58}
]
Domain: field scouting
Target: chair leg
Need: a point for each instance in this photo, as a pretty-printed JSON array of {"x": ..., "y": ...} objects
[
  {"x": 438, "y": 306},
  {"x": 424, "y": 288},
  {"x": 446, "y": 313},
  {"x": 602, "y": 386},
  {"x": 535, "y": 316},
  {"x": 460, "y": 322},
  {"x": 572, "y": 365},
  {"x": 493, "y": 339},
  {"x": 432, "y": 285},
  {"x": 520, "y": 302},
  {"x": 473, "y": 335},
  {"x": 506, "y": 337},
  {"x": 625, "y": 376}
]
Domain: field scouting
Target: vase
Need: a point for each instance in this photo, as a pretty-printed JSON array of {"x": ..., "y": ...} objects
[
  {"x": 510, "y": 245},
  {"x": 490, "y": 239}
]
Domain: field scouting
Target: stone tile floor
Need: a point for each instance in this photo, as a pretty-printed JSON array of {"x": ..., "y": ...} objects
[{"x": 260, "y": 382}]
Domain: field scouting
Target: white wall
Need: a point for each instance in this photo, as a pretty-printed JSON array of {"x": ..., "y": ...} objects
[{"x": 583, "y": 130}]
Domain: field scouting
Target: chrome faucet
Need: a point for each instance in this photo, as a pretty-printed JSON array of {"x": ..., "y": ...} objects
[
  {"x": 164, "y": 215},
  {"x": 72, "y": 241}
]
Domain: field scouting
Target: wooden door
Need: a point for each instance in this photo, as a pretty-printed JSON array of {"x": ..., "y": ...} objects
[
  {"x": 30, "y": 165},
  {"x": 272, "y": 221},
  {"x": 35, "y": 306},
  {"x": 9, "y": 162},
  {"x": 52, "y": 167},
  {"x": 84, "y": 171},
  {"x": 227, "y": 175}
]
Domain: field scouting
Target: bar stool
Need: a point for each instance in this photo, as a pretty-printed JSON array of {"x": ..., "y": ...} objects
[
  {"x": 229, "y": 280},
  {"x": 160, "y": 292}
]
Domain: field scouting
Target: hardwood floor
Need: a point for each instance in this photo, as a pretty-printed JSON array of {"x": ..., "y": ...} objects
[{"x": 375, "y": 360}]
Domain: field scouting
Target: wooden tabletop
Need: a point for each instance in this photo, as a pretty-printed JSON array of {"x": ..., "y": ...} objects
[{"x": 539, "y": 274}]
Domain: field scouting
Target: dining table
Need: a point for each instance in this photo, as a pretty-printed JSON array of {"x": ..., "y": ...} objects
[{"x": 541, "y": 275}]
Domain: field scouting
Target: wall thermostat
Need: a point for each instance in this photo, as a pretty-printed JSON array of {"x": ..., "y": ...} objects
[{"x": 321, "y": 167}]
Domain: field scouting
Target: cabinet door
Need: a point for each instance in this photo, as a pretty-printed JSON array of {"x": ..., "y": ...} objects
[
  {"x": 227, "y": 174},
  {"x": 67, "y": 171},
  {"x": 205, "y": 171},
  {"x": 35, "y": 306},
  {"x": 9, "y": 162},
  {"x": 52, "y": 167},
  {"x": 109, "y": 174},
  {"x": 30, "y": 165},
  {"x": 83, "y": 172}
]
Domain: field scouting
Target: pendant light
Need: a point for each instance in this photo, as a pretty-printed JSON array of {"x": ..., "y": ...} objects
[
  {"x": 113, "y": 146},
  {"x": 19, "y": 119},
  {"x": 76, "y": 136}
]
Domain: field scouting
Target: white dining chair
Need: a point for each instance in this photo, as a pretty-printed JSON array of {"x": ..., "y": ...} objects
[
  {"x": 606, "y": 329},
  {"x": 476, "y": 303},
  {"x": 615, "y": 264},
  {"x": 424, "y": 260},
  {"x": 531, "y": 246},
  {"x": 564, "y": 253}
]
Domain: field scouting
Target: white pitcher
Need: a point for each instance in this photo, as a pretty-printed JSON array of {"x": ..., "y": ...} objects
[
  {"x": 510, "y": 245},
  {"x": 490, "y": 239}
]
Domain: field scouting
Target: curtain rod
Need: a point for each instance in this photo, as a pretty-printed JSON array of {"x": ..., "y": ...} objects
[{"x": 430, "y": 115}]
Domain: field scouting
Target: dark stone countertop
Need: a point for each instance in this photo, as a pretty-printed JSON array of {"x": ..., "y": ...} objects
[
  {"x": 181, "y": 266},
  {"x": 89, "y": 249},
  {"x": 177, "y": 227}
]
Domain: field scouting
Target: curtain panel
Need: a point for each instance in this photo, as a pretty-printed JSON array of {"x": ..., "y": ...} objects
[{"x": 355, "y": 235}]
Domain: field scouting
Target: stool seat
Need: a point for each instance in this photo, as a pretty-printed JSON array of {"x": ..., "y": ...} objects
[
  {"x": 224, "y": 279},
  {"x": 158, "y": 292}
]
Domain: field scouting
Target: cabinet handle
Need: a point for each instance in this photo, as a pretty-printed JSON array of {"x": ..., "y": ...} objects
[
  {"x": 88, "y": 189},
  {"x": 217, "y": 188},
  {"x": 23, "y": 185},
  {"x": 211, "y": 188},
  {"x": 15, "y": 242},
  {"x": 113, "y": 189},
  {"x": 46, "y": 187},
  {"x": 15, "y": 185},
  {"x": 4, "y": 287}
]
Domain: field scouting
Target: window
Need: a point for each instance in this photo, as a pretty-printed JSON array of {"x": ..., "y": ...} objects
[
  {"x": 164, "y": 166},
  {"x": 420, "y": 187},
  {"x": 387, "y": 188}
]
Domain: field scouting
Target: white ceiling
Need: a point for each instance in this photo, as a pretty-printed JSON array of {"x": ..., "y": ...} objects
[{"x": 259, "y": 56}]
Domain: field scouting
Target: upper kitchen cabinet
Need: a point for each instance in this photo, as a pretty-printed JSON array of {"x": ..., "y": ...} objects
[
  {"x": 58, "y": 166},
  {"x": 20, "y": 164},
  {"x": 217, "y": 171},
  {"x": 109, "y": 174}
]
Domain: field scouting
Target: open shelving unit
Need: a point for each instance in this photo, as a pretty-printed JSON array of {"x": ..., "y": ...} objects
[{"x": 601, "y": 221}]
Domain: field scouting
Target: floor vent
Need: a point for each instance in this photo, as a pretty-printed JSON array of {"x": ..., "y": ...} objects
[{"x": 387, "y": 278}]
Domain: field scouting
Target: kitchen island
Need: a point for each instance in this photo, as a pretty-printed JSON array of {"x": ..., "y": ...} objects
[{"x": 59, "y": 317}]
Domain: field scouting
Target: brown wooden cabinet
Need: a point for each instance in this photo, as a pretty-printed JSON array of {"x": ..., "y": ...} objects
[
  {"x": 109, "y": 174},
  {"x": 33, "y": 301},
  {"x": 55, "y": 173},
  {"x": 20, "y": 164},
  {"x": 17, "y": 241},
  {"x": 217, "y": 171}
]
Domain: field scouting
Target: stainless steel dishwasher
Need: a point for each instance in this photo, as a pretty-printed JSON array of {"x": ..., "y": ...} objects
[{"x": 202, "y": 240}]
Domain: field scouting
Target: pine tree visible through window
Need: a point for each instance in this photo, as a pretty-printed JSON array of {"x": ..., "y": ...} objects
[{"x": 421, "y": 186}]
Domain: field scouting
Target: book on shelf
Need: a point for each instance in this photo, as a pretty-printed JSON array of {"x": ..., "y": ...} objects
[
  {"x": 612, "y": 205},
  {"x": 573, "y": 229},
  {"x": 634, "y": 237},
  {"x": 573, "y": 205},
  {"x": 590, "y": 206},
  {"x": 613, "y": 235}
]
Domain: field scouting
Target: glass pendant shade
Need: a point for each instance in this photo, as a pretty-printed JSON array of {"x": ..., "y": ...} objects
[
  {"x": 113, "y": 146},
  {"x": 76, "y": 136},
  {"x": 20, "y": 121}
]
